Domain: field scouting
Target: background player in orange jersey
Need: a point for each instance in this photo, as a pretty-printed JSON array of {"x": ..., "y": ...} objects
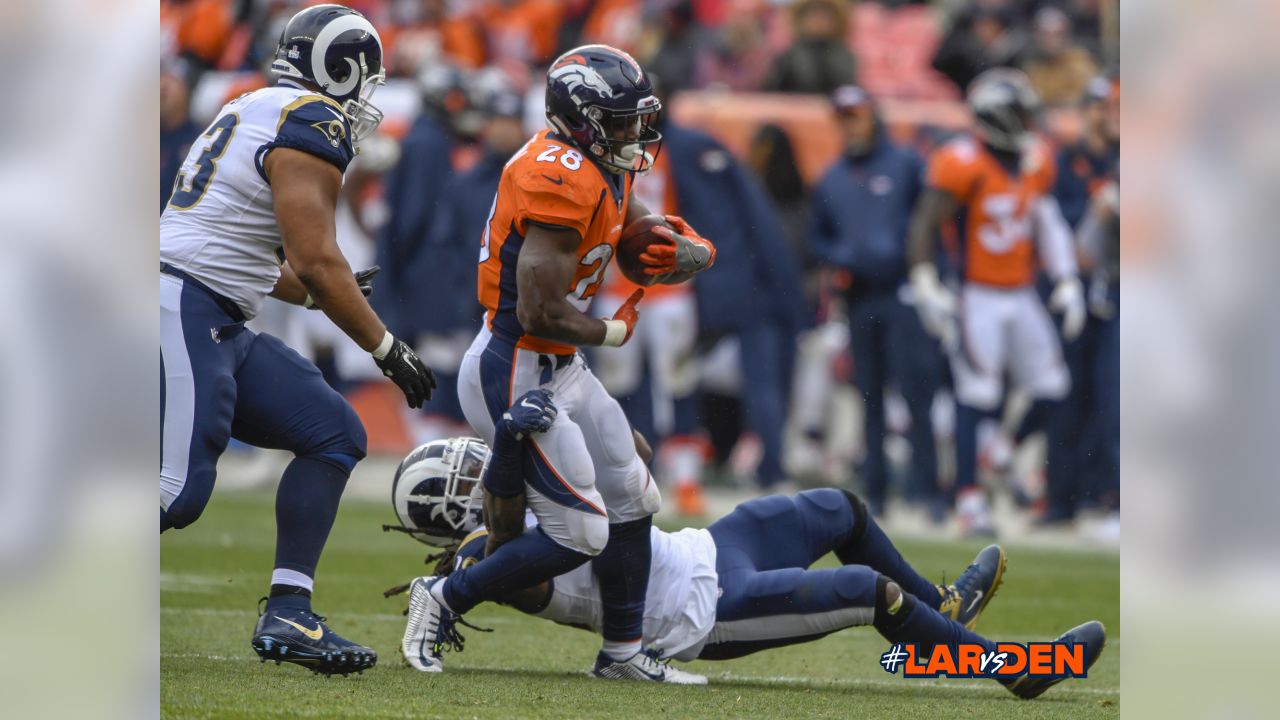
[
  {"x": 560, "y": 208},
  {"x": 997, "y": 183}
]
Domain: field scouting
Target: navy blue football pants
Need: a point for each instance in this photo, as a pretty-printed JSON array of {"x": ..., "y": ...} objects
[
  {"x": 219, "y": 380},
  {"x": 770, "y": 597}
]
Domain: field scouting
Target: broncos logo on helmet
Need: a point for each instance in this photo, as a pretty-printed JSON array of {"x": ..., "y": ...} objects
[{"x": 599, "y": 99}]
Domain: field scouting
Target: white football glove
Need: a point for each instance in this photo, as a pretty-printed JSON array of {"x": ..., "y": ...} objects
[
  {"x": 1068, "y": 299},
  {"x": 935, "y": 302}
]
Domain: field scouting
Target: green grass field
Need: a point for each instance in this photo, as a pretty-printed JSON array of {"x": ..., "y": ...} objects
[{"x": 213, "y": 573}]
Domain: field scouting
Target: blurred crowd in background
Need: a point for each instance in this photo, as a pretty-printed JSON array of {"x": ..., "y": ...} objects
[{"x": 793, "y": 361}]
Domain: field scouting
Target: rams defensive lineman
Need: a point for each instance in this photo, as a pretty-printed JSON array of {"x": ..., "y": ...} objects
[
  {"x": 561, "y": 205},
  {"x": 258, "y": 187},
  {"x": 998, "y": 182}
]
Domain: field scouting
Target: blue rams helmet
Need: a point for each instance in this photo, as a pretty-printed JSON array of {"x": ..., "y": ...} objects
[
  {"x": 600, "y": 99},
  {"x": 437, "y": 492},
  {"x": 338, "y": 51}
]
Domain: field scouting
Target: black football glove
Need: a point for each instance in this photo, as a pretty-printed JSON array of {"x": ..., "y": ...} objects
[
  {"x": 406, "y": 370},
  {"x": 364, "y": 279}
]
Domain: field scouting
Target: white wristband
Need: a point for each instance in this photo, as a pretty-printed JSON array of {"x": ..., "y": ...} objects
[
  {"x": 384, "y": 347},
  {"x": 615, "y": 333},
  {"x": 308, "y": 302}
]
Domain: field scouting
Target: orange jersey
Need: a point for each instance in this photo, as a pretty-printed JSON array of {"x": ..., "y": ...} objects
[
  {"x": 549, "y": 182},
  {"x": 998, "y": 247},
  {"x": 657, "y": 190}
]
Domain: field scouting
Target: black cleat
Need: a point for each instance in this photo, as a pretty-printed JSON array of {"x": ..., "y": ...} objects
[
  {"x": 302, "y": 638},
  {"x": 966, "y": 598},
  {"x": 1093, "y": 634}
]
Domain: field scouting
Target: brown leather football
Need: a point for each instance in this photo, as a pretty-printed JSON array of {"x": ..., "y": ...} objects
[{"x": 635, "y": 239}]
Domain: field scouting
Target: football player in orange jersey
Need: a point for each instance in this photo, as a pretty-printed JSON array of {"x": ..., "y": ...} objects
[
  {"x": 997, "y": 184},
  {"x": 555, "y": 222}
]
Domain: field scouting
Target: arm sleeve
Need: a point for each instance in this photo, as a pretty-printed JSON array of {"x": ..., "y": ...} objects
[
  {"x": 504, "y": 477},
  {"x": 1054, "y": 239},
  {"x": 316, "y": 127}
]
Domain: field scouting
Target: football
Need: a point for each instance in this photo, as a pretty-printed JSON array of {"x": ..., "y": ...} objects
[{"x": 636, "y": 238}]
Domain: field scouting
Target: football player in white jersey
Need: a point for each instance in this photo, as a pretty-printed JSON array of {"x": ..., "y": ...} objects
[
  {"x": 740, "y": 586},
  {"x": 251, "y": 214}
]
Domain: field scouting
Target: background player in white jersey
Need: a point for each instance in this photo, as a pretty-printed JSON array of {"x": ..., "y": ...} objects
[
  {"x": 738, "y": 587},
  {"x": 259, "y": 187}
]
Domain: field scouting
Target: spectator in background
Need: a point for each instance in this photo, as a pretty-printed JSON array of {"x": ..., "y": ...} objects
[
  {"x": 522, "y": 33},
  {"x": 675, "y": 51},
  {"x": 1058, "y": 68},
  {"x": 177, "y": 132},
  {"x": 981, "y": 37},
  {"x": 773, "y": 159},
  {"x": 427, "y": 31},
  {"x": 1086, "y": 189},
  {"x": 818, "y": 60},
  {"x": 862, "y": 209},
  {"x": 413, "y": 190},
  {"x": 195, "y": 31},
  {"x": 754, "y": 292},
  {"x": 445, "y": 265},
  {"x": 736, "y": 57}
]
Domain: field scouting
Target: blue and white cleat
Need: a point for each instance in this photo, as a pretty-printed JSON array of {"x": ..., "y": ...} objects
[
  {"x": 301, "y": 637},
  {"x": 966, "y": 598},
  {"x": 430, "y": 629},
  {"x": 643, "y": 666},
  {"x": 1093, "y": 634}
]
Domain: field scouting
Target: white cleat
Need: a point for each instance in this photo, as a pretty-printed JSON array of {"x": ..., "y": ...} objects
[
  {"x": 429, "y": 629},
  {"x": 642, "y": 666}
]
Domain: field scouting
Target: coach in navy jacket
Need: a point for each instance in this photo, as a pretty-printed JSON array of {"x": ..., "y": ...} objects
[
  {"x": 754, "y": 290},
  {"x": 861, "y": 209}
]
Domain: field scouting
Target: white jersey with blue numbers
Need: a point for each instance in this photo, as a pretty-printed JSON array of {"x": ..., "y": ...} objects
[{"x": 220, "y": 225}]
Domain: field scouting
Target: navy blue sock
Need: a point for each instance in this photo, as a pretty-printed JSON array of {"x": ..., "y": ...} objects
[
  {"x": 623, "y": 571},
  {"x": 306, "y": 505},
  {"x": 917, "y": 623},
  {"x": 518, "y": 564},
  {"x": 967, "y": 418},
  {"x": 875, "y": 550},
  {"x": 290, "y": 601}
]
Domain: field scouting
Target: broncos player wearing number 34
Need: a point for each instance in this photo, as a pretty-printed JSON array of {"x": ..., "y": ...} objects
[
  {"x": 743, "y": 585},
  {"x": 258, "y": 187},
  {"x": 560, "y": 208}
]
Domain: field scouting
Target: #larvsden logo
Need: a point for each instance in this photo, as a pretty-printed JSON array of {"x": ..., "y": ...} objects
[{"x": 1008, "y": 660}]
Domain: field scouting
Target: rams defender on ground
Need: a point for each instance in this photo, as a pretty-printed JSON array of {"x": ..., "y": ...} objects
[
  {"x": 738, "y": 587},
  {"x": 260, "y": 186},
  {"x": 561, "y": 205},
  {"x": 998, "y": 182}
]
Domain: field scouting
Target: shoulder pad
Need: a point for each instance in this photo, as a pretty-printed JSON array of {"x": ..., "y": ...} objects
[{"x": 316, "y": 125}]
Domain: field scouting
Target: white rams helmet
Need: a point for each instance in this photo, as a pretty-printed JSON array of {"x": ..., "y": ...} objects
[{"x": 437, "y": 493}]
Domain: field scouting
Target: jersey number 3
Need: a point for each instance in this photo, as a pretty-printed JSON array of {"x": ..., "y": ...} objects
[{"x": 189, "y": 190}]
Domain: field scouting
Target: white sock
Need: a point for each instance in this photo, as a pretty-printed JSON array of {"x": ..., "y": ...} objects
[
  {"x": 280, "y": 576},
  {"x": 437, "y": 592},
  {"x": 621, "y": 651}
]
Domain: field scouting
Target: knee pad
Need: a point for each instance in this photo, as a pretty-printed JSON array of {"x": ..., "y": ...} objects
[
  {"x": 588, "y": 533},
  {"x": 346, "y": 436},
  {"x": 851, "y": 583},
  {"x": 189, "y": 506}
]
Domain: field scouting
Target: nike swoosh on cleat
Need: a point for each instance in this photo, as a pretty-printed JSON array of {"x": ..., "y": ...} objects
[
  {"x": 313, "y": 634},
  {"x": 556, "y": 180},
  {"x": 976, "y": 600}
]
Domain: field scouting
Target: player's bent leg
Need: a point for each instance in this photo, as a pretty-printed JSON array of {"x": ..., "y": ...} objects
[
  {"x": 867, "y": 545},
  {"x": 197, "y": 396},
  {"x": 285, "y": 403},
  {"x": 763, "y": 610}
]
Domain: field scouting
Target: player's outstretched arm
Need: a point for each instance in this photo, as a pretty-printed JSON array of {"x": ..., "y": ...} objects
[
  {"x": 934, "y": 302},
  {"x": 305, "y": 190},
  {"x": 544, "y": 275}
]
